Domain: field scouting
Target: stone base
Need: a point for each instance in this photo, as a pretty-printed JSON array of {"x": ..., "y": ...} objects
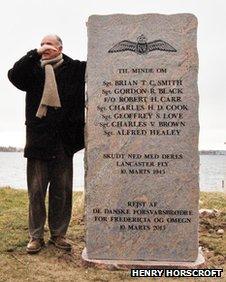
[{"x": 126, "y": 264}]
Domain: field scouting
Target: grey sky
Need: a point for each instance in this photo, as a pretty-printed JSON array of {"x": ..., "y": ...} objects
[{"x": 23, "y": 23}]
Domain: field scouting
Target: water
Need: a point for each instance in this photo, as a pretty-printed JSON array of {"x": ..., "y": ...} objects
[
  {"x": 212, "y": 173},
  {"x": 13, "y": 171}
]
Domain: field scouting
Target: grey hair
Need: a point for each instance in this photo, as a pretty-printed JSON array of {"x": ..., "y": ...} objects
[{"x": 59, "y": 40}]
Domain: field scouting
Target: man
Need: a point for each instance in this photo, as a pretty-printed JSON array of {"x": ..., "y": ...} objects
[{"x": 54, "y": 85}]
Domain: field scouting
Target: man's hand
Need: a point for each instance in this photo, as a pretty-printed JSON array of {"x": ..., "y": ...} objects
[{"x": 45, "y": 48}]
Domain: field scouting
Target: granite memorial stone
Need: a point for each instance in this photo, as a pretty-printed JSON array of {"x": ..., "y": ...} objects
[{"x": 142, "y": 162}]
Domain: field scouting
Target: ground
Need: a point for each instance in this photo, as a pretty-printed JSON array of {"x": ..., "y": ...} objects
[{"x": 52, "y": 264}]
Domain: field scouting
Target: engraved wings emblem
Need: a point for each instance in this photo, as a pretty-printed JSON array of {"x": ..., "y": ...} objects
[{"x": 142, "y": 46}]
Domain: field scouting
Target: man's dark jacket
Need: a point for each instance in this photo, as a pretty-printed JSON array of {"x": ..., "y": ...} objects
[{"x": 65, "y": 123}]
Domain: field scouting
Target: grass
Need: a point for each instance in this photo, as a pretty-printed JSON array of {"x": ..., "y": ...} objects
[
  {"x": 209, "y": 239},
  {"x": 55, "y": 265}
]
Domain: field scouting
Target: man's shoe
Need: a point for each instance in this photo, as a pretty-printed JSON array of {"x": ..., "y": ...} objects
[
  {"x": 35, "y": 245},
  {"x": 60, "y": 242}
]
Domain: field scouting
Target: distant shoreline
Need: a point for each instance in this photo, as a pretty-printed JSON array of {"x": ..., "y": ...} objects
[
  {"x": 11, "y": 149},
  {"x": 212, "y": 152}
]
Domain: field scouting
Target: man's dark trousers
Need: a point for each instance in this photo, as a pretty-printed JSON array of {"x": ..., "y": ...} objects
[{"x": 58, "y": 173}]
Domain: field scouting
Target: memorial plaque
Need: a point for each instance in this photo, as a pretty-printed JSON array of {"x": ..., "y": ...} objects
[{"x": 142, "y": 162}]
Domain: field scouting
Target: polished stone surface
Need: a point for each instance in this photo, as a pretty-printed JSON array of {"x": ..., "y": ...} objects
[{"x": 126, "y": 264}]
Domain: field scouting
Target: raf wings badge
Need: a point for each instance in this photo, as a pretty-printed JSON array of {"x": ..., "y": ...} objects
[{"x": 142, "y": 46}]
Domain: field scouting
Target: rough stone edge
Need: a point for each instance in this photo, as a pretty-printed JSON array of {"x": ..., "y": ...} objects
[
  {"x": 115, "y": 15},
  {"x": 126, "y": 264}
]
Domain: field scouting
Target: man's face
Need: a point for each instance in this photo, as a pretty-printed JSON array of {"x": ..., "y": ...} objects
[{"x": 50, "y": 53}]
